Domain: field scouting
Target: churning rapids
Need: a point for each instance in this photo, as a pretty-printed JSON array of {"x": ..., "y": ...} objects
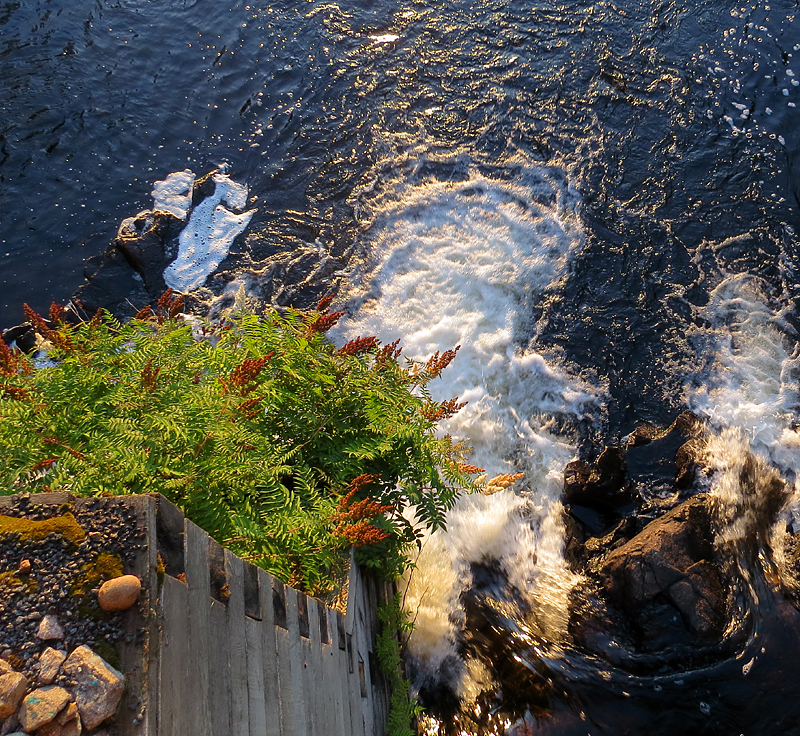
[{"x": 599, "y": 201}]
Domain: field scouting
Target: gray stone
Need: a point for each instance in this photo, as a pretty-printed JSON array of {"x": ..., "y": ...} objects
[
  {"x": 49, "y": 629},
  {"x": 98, "y": 686},
  {"x": 42, "y": 706},
  {"x": 50, "y": 661}
]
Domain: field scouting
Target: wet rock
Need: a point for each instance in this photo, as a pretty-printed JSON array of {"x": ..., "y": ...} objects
[
  {"x": 111, "y": 284},
  {"x": 600, "y": 486},
  {"x": 98, "y": 686},
  {"x": 670, "y": 560},
  {"x": 42, "y": 706},
  {"x": 49, "y": 629},
  {"x": 12, "y": 687},
  {"x": 661, "y": 462},
  {"x": 50, "y": 661},
  {"x": 119, "y": 593},
  {"x": 144, "y": 241}
]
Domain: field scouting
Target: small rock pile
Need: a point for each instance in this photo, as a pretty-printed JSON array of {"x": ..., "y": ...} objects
[
  {"x": 62, "y": 601},
  {"x": 88, "y": 696}
]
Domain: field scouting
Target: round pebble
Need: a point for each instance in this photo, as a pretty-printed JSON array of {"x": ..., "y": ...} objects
[{"x": 119, "y": 593}]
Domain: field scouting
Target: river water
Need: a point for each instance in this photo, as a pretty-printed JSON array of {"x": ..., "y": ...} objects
[{"x": 597, "y": 200}]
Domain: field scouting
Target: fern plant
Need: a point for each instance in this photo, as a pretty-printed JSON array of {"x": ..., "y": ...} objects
[{"x": 282, "y": 447}]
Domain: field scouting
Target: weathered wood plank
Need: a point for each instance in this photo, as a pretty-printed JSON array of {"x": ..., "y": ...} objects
[
  {"x": 198, "y": 714},
  {"x": 297, "y": 664},
  {"x": 339, "y": 650},
  {"x": 330, "y": 677},
  {"x": 285, "y": 679},
  {"x": 269, "y": 654},
  {"x": 313, "y": 673},
  {"x": 174, "y": 673},
  {"x": 355, "y": 631},
  {"x": 138, "y": 649},
  {"x": 237, "y": 646},
  {"x": 219, "y": 671},
  {"x": 256, "y": 702}
]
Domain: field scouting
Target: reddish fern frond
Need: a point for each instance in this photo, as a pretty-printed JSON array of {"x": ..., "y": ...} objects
[
  {"x": 361, "y": 534},
  {"x": 358, "y": 346},
  {"x": 250, "y": 407},
  {"x": 149, "y": 375},
  {"x": 164, "y": 302},
  {"x": 176, "y": 306},
  {"x": 388, "y": 352},
  {"x": 42, "y": 464},
  {"x": 436, "y": 363},
  {"x": 470, "y": 469},
  {"x": 16, "y": 393},
  {"x": 437, "y": 411},
  {"x": 9, "y": 362},
  {"x": 58, "y": 339},
  {"x": 324, "y": 322},
  {"x": 52, "y": 440},
  {"x": 325, "y": 303},
  {"x": 247, "y": 371},
  {"x": 96, "y": 319},
  {"x": 144, "y": 313},
  {"x": 57, "y": 312}
]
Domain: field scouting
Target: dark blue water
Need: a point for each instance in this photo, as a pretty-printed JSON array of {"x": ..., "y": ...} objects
[{"x": 673, "y": 124}]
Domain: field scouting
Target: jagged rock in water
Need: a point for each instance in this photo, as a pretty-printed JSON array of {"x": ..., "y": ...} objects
[
  {"x": 600, "y": 486},
  {"x": 662, "y": 463},
  {"x": 671, "y": 562},
  {"x": 144, "y": 241}
]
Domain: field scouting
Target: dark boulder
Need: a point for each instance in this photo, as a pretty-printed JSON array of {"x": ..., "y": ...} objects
[
  {"x": 670, "y": 562},
  {"x": 661, "y": 464},
  {"x": 600, "y": 486},
  {"x": 145, "y": 240}
]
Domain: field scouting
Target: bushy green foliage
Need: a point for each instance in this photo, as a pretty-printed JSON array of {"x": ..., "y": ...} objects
[
  {"x": 403, "y": 708},
  {"x": 282, "y": 447}
]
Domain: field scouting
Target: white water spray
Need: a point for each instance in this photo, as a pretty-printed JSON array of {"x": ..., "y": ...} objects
[{"x": 459, "y": 264}]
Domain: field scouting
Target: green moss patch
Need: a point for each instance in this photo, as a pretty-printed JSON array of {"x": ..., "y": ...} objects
[
  {"x": 106, "y": 566},
  {"x": 38, "y": 530}
]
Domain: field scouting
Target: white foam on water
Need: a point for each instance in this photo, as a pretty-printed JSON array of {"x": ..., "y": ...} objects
[
  {"x": 751, "y": 398},
  {"x": 207, "y": 237},
  {"x": 174, "y": 194},
  {"x": 753, "y": 384},
  {"x": 458, "y": 264}
]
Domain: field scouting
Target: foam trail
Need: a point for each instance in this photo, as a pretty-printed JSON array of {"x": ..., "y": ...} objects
[
  {"x": 458, "y": 264},
  {"x": 751, "y": 396},
  {"x": 753, "y": 384},
  {"x": 207, "y": 237}
]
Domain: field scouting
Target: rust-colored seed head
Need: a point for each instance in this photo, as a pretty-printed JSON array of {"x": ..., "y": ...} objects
[
  {"x": 358, "y": 346},
  {"x": 325, "y": 303}
]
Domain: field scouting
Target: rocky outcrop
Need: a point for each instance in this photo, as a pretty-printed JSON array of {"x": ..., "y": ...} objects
[{"x": 671, "y": 562}]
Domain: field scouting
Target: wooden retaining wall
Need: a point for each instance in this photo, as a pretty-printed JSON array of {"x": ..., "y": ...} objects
[{"x": 228, "y": 650}]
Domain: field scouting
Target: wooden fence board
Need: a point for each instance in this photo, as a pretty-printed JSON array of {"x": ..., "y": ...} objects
[
  {"x": 297, "y": 663},
  {"x": 197, "y": 616},
  {"x": 256, "y": 701},
  {"x": 237, "y": 646},
  {"x": 269, "y": 653},
  {"x": 219, "y": 672},
  {"x": 174, "y": 649}
]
